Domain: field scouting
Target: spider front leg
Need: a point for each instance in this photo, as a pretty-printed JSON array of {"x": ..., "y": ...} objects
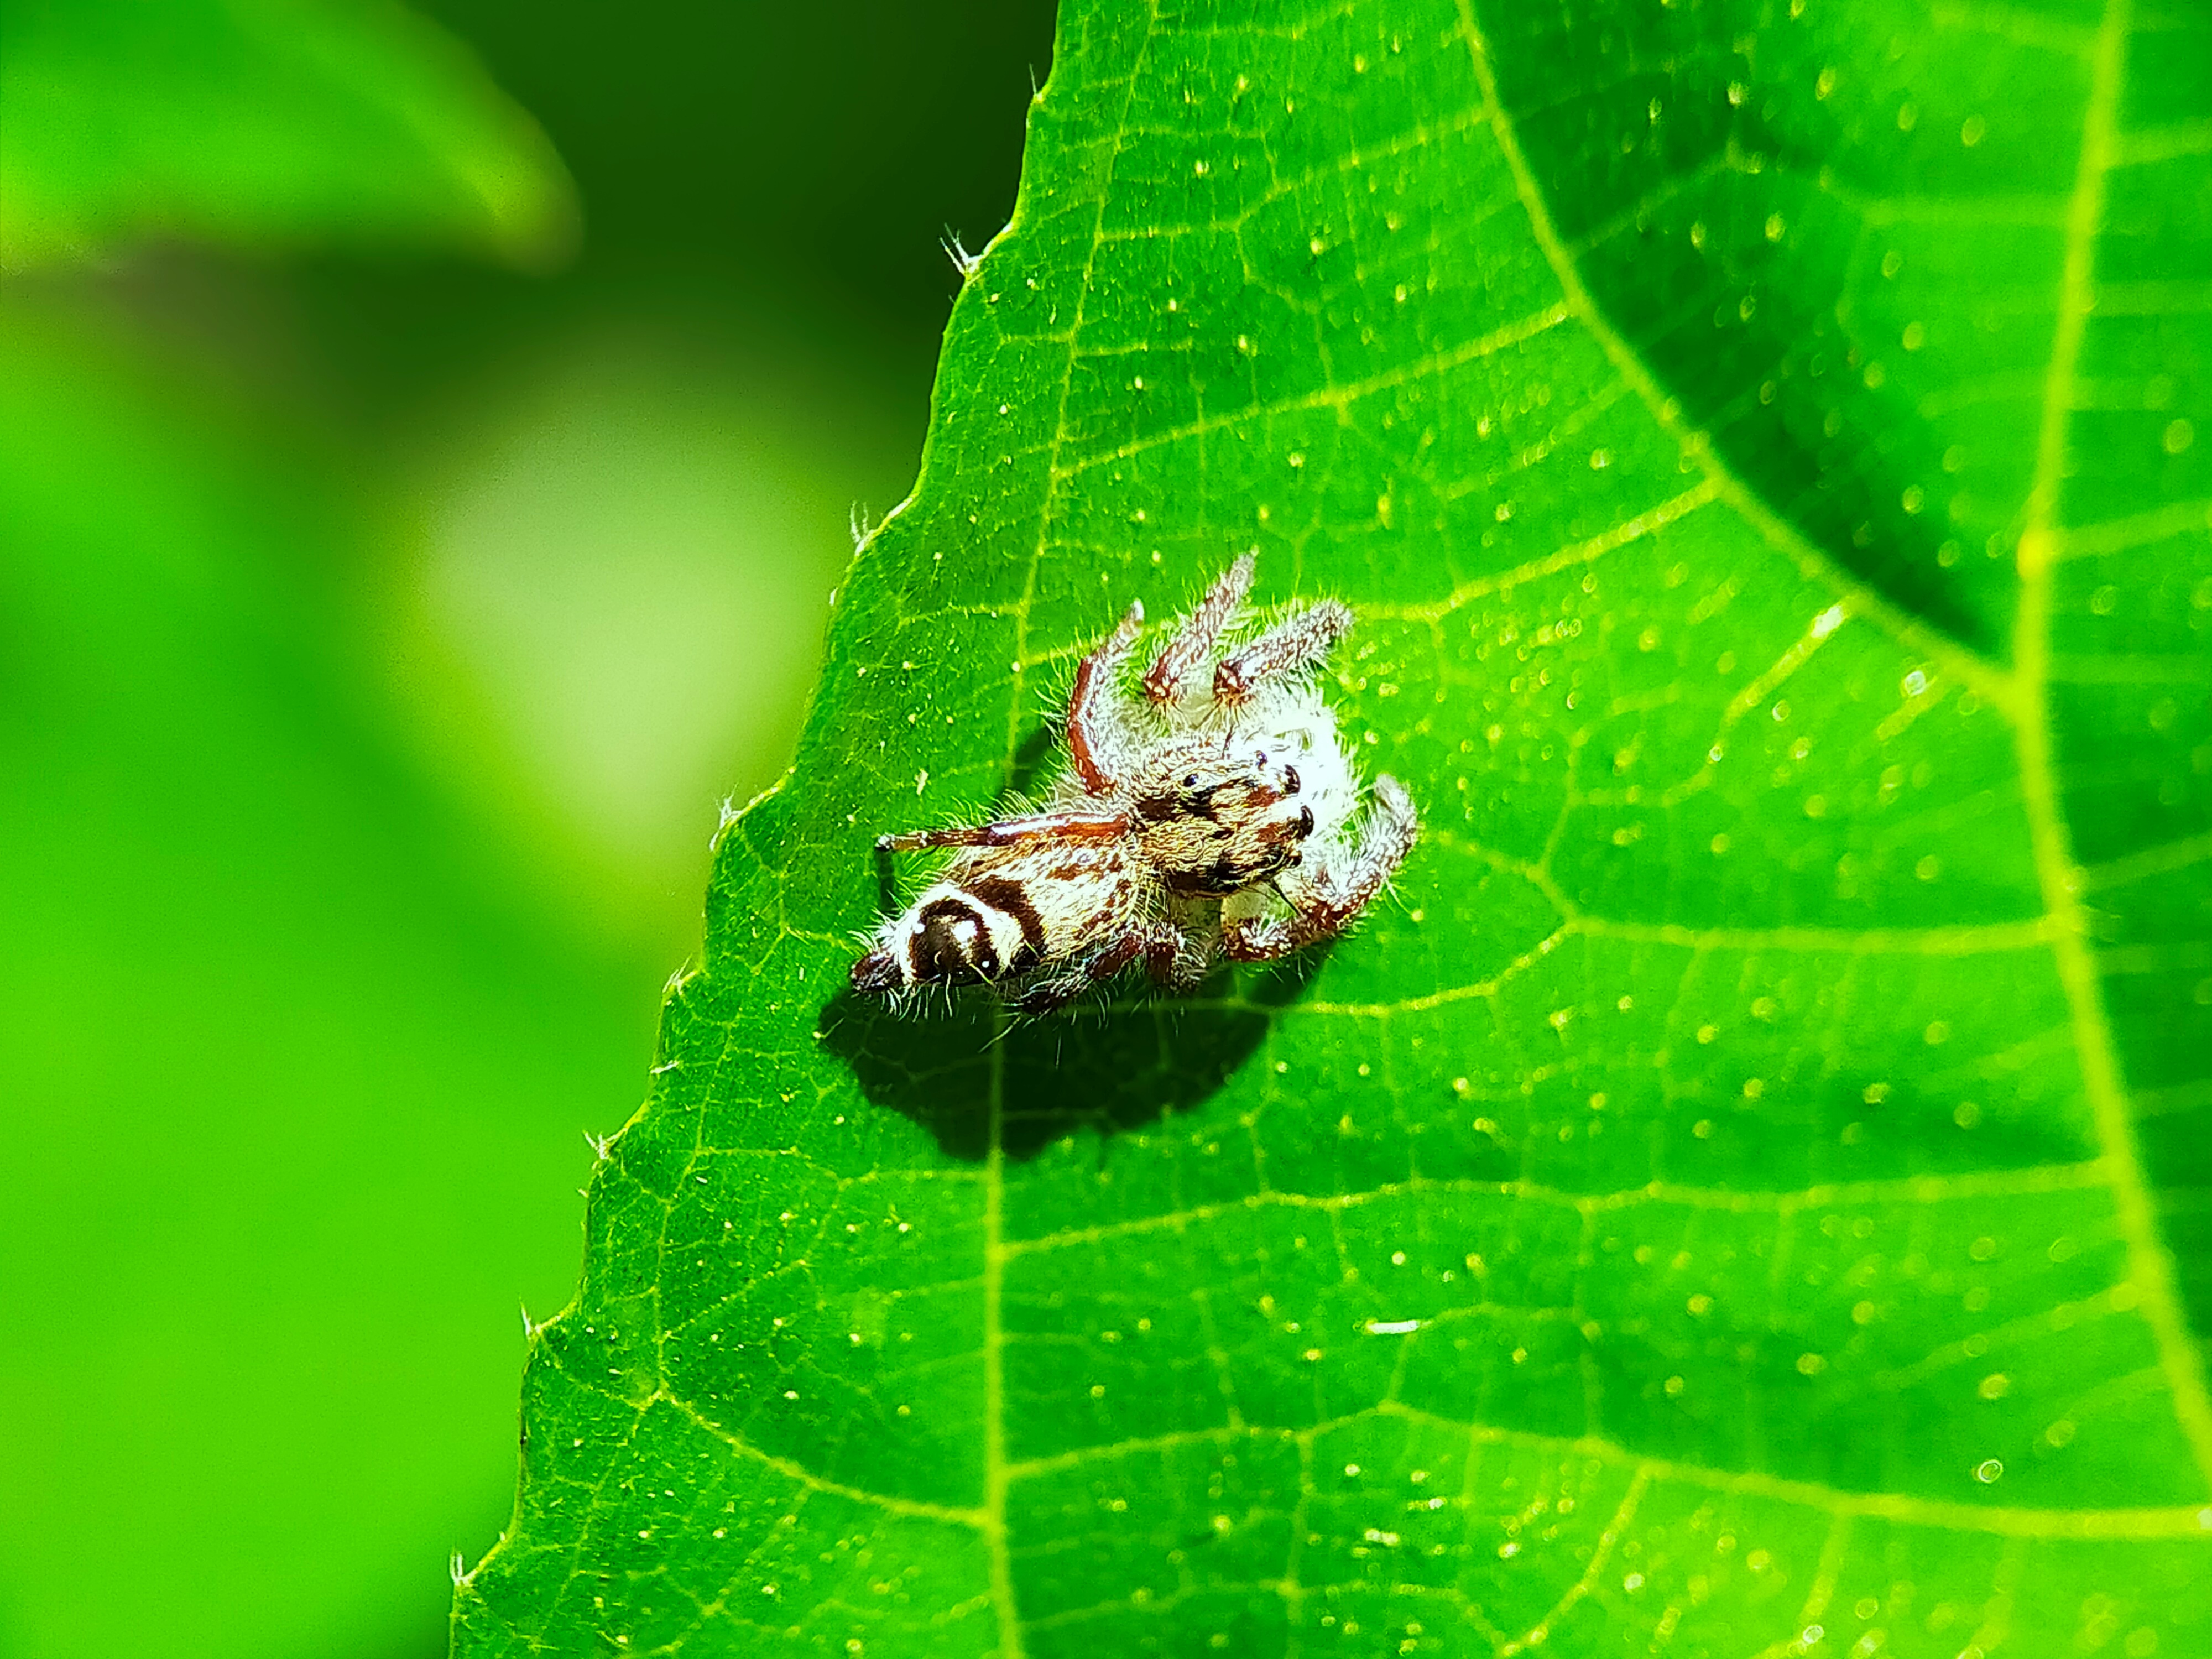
[
  {"x": 1295, "y": 643},
  {"x": 1324, "y": 898},
  {"x": 1188, "y": 648},
  {"x": 1012, "y": 832},
  {"x": 1092, "y": 743}
]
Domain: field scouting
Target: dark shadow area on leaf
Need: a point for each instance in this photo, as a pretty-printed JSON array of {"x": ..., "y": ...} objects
[
  {"x": 1740, "y": 323},
  {"x": 1040, "y": 747},
  {"x": 1111, "y": 1067}
]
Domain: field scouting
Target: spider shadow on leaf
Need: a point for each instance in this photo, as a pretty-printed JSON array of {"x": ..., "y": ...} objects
[
  {"x": 1040, "y": 745},
  {"x": 1112, "y": 1067}
]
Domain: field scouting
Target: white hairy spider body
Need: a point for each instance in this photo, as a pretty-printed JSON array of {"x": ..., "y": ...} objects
[{"x": 1213, "y": 813}]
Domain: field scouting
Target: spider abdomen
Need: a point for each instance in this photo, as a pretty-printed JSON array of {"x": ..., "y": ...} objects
[{"x": 987, "y": 920}]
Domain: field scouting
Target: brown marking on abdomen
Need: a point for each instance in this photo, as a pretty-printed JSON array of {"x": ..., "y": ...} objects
[
  {"x": 1010, "y": 898},
  {"x": 937, "y": 952}
]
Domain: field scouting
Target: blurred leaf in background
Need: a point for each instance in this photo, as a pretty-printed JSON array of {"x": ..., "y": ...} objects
[
  {"x": 345, "y": 603},
  {"x": 292, "y": 1085},
  {"x": 257, "y": 121},
  {"x": 631, "y": 551}
]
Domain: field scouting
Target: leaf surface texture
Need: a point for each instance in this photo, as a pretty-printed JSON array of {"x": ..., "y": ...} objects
[{"x": 1748, "y": 1188}]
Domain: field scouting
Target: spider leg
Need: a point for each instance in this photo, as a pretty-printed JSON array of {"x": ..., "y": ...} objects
[
  {"x": 1090, "y": 742},
  {"x": 1297, "y": 643},
  {"x": 1156, "y": 942},
  {"x": 1324, "y": 901},
  {"x": 1188, "y": 648},
  {"x": 1012, "y": 832},
  {"x": 1163, "y": 955},
  {"x": 1047, "y": 994}
]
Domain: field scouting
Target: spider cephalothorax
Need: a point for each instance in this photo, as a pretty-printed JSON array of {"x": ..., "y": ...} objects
[{"x": 1215, "y": 815}]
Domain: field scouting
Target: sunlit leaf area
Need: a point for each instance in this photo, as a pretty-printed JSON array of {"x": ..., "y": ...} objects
[
  {"x": 1746, "y": 1189},
  {"x": 428, "y": 439},
  {"x": 1745, "y": 1192}
]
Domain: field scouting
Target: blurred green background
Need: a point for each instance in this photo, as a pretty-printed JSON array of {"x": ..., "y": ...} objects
[{"x": 426, "y": 441}]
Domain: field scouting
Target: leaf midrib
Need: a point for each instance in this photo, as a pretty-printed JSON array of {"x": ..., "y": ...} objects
[
  {"x": 998, "y": 1551},
  {"x": 2060, "y": 877}
]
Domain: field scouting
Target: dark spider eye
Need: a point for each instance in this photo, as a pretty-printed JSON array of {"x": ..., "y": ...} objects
[
  {"x": 1290, "y": 779},
  {"x": 1305, "y": 821},
  {"x": 1191, "y": 783}
]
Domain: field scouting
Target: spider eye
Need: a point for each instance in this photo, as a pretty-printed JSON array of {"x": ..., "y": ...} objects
[{"x": 1191, "y": 783}]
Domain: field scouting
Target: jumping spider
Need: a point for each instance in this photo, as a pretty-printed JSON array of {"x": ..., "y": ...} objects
[{"x": 1218, "y": 817}]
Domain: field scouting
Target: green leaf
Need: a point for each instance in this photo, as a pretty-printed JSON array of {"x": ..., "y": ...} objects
[
  {"x": 1748, "y": 1190},
  {"x": 262, "y": 122}
]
